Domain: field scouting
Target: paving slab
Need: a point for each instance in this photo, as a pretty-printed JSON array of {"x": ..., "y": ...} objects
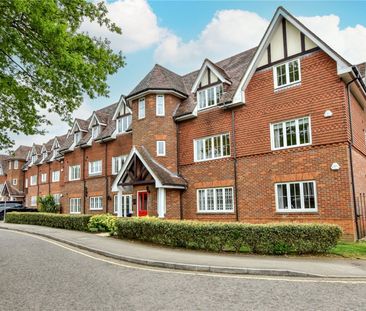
[{"x": 182, "y": 259}]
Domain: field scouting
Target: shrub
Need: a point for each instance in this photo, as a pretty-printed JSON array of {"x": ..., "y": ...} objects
[
  {"x": 71, "y": 222},
  {"x": 260, "y": 239},
  {"x": 47, "y": 204},
  {"x": 103, "y": 223}
]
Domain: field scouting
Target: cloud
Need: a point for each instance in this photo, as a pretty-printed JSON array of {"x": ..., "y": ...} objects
[
  {"x": 229, "y": 32},
  {"x": 349, "y": 42},
  {"x": 139, "y": 24}
]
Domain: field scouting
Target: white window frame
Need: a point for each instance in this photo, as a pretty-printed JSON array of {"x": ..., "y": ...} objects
[
  {"x": 33, "y": 200},
  {"x": 160, "y": 105},
  {"x": 215, "y": 210},
  {"x": 95, "y": 131},
  {"x": 204, "y": 92},
  {"x": 123, "y": 123},
  {"x": 272, "y": 125},
  {"x": 161, "y": 143},
  {"x": 276, "y": 86},
  {"x": 75, "y": 205},
  {"x": 55, "y": 176},
  {"x": 34, "y": 158},
  {"x": 96, "y": 203},
  {"x": 125, "y": 198},
  {"x": 73, "y": 169},
  {"x": 95, "y": 167},
  {"x": 195, "y": 148},
  {"x": 141, "y": 108},
  {"x": 77, "y": 137},
  {"x": 57, "y": 198},
  {"x": 15, "y": 181},
  {"x": 43, "y": 177},
  {"x": 16, "y": 164},
  {"x": 302, "y": 210},
  {"x": 33, "y": 180},
  {"x": 117, "y": 160}
]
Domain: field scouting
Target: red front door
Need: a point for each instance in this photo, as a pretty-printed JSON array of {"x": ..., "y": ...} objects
[{"x": 142, "y": 203}]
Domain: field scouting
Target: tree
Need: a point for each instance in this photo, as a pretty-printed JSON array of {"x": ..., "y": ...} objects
[
  {"x": 47, "y": 63},
  {"x": 47, "y": 204}
]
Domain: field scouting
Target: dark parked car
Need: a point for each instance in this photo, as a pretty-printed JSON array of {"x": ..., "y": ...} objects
[{"x": 13, "y": 206}]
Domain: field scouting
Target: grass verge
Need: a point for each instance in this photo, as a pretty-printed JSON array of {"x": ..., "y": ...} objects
[{"x": 350, "y": 250}]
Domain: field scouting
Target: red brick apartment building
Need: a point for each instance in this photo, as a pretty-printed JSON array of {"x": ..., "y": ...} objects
[{"x": 273, "y": 134}]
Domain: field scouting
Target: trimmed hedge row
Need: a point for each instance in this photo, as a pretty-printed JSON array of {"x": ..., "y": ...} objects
[
  {"x": 70, "y": 222},
  {"x": 261, "y": 239}
]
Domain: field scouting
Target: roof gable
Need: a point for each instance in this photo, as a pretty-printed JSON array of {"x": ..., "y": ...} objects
[{"x": 121, "y": 109}]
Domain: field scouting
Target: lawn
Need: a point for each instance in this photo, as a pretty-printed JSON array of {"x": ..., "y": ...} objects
[{"x": 350, "y": 249}]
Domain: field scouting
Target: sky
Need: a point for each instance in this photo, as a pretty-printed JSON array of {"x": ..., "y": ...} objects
[{"x": 181, "y": 34}]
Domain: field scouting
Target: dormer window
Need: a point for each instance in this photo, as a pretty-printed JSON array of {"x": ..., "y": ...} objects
[
  {"x": 77, "y": 137},
  {"x": 95, "y": 132},
  {"x": 34, "y": 158},
  {"x": 54, "y": 152},
  {"x": 44, "y": 155},
  {"x": 209, "y": 97},
  {"x": 123, "y": 123}
]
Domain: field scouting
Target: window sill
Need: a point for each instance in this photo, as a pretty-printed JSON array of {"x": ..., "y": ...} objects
[
  {"x": 75, "y": 213},
  {"x": 291, "y": 147},
  {"x": 206, "y": 108},
  {"x": 297, "y": 212},
  {"x": 216, "y": 213},
  {"x": 208, "y": 160},
  {"x": 95, "y": 209},
  {"x": 287, "y": 86},
  {"x": 95, "y": 174}
]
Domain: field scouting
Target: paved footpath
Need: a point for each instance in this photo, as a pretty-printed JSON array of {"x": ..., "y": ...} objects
[{"x": 140, "y": 253}]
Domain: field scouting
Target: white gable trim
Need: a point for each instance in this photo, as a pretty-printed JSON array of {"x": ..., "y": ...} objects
[
  {"x": 207, "y": 64},
  {"x": 134, "y": 151},
  {"x": 55, "y": 144},
  {"x": 95, "y": 117},
  {"x": 342, "y": 65},
  {"x": 121, "y": 104},
  {"x": 78, "y": 128}
]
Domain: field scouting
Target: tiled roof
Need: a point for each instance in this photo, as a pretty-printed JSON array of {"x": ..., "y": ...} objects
[
  {"x": 83, "y": 124},
  {"x": 68, "y": 142},
  {"x": 3, "y": 164},
  {"x": 163, "y": 174},
  {"x": 13, "y": 191},
  {"x": 362, "y": 68},
  {"x": 20, "y": 153},
  {"x": 160, "y": 78}
]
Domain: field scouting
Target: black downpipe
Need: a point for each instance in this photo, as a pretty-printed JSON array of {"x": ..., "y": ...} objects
[
  {"x": 351, "y": 157},
  {"x": 235, "y": 164}
]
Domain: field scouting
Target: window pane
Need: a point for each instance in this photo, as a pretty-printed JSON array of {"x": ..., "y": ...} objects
[
  {"x": 208, "y": 148},
  {"x": 304, "y": 131},
  {"x": 210, "y": 200},
  {"x": 281, "y": 75},
  {"x": 200, "y": 150},
  {"x": 291, "y": 133},
  {"x": 219, "y": 90},
  {"x": 226, "y": 144},
  {"x": 202, "y": 99},
  {"x": 309, "y": 197},
  {"x": 295, "y": 196},
  {"x": 278, "y": 135},
  {"x": 282, "y": 197},
  {"x": 294, "y": 71},
  {"x": 201, "y": 202},
  {"x": 220, "y": 199},
  {"x": 211, "y": 96},
  {"x": 217, "y": 147},
  {"x": 229, "y": 199}
]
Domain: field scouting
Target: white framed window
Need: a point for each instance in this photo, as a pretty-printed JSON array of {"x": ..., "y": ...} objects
[
  {"x": 15, "y": 182},
  {"x": 33, "y": 180},
  {"x": 123, "y": 123},
  {"x": 77, "y": 137},
  {"x": 214, "y": 147},
  {"x": 297, "y": 196},
  {"x": 215, "y": 200},
  {"x": 126, "y": 203},
  {"x": 43, "y": 177},
  {"x": 75, "y": 206},
  {"x": 96, "y": 203},
  {"x": 287, "y": 73},
  {"x": 160, "y": 105},
  {"x": 117, "y": 163},
  {"x": 141, "y": 108},
  {"x": 160, "y": 148},
  {"x": 16, "y": 164},
  {"x": 291, "y": 133},
  {"x": 209, "y": 97},
  {"x": 95, "y": 167},
  {"x": 55, "y": 176},
  {"x": 57, "y": 197},
  {"x": 95, "y": 132},
  {"x": 33, "y": 200},
  {"x": 9, "y": 165},
  {"x": 74, "y": 172},
  {"x": 44, "y": 155},
  {"x": 34, "y": 158},
  {"x": 26, "y": 182}
]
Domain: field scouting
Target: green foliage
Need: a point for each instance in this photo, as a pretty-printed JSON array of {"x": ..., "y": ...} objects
[
  {"x": 47, "y": 63},
  {"x": 47, "y": 204},
  {"x": 71, "y": 222},
  {"x": 103, "y": 223},
  {"x": 260, "y": 239}
]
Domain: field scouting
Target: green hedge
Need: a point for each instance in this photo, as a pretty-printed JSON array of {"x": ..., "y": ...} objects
[
  {"x": 261, "y": 239},
  {"x": 71, "y": 222},
  {"x": 102, "y": 223}
]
